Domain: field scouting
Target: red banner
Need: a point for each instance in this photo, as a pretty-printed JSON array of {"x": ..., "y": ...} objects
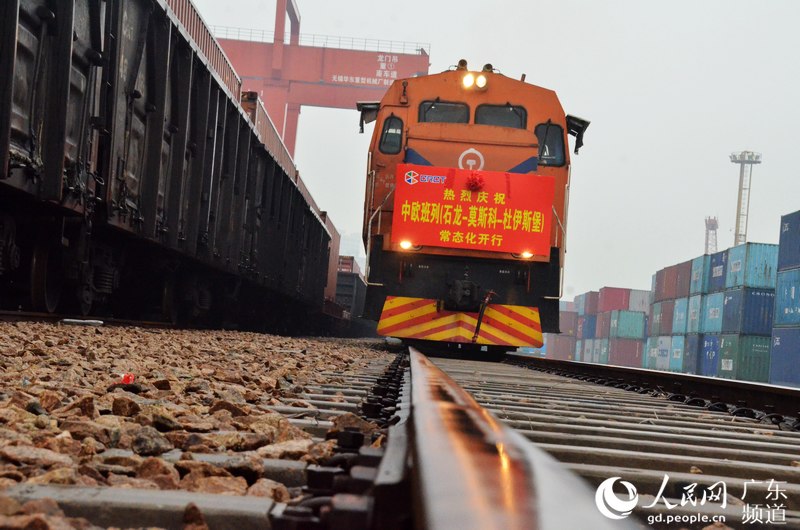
[{"x": 476, "y": 210}]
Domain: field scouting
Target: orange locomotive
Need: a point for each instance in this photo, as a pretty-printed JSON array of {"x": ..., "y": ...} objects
[{"x": 465, "y": 209}]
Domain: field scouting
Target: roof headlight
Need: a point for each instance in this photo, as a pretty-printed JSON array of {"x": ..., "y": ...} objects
[
  {"x": 481, "y": 81},
  {"x": 468, "y": 80},
  {"x": 406, "y": 245}
]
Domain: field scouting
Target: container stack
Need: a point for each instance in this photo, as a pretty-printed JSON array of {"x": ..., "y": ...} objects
[
  {"x": 748, "y": 303},
  {"x": 586, "y": 308},
  {"x": 561, "y": 346},
  {"x": 666, "y": 342},
  {"x": 785, "y": 344},
  {"x": 620, "y": 326}
]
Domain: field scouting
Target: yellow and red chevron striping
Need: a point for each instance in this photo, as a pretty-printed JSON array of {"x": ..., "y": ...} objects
[{"x": 418, "y": 318}]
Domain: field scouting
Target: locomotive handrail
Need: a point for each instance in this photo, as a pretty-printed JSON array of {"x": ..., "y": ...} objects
[{"x": 377, "y": 211}]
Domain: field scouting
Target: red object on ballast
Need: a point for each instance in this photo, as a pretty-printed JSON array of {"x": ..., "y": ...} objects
[{"x": 127, "y": 379}]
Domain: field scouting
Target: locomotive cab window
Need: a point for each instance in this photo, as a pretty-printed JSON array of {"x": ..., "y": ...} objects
[
  {"x": 502, "y": 116},
  {"x": 443, "y": 112},
  {"x": 551, "y": 144},
  {"x": 392, "y": 136}
]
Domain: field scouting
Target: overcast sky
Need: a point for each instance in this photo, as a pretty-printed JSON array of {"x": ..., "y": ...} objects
[{"x": 671, "y": 88}]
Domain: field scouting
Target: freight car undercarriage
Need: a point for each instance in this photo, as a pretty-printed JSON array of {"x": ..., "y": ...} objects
[{"x": 51, "y": 262}]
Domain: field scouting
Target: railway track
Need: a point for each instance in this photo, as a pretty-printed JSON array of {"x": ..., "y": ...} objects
[{"x": 453, "y": 451}]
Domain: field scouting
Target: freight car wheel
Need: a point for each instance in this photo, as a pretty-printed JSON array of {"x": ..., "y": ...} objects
[{"x": 46, "y": 276}]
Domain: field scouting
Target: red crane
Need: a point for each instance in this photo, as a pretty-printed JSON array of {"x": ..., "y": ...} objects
[{"x": 315, "y": 70}]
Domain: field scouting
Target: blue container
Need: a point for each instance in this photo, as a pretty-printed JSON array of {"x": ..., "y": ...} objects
[
  {"x": 787, "y": 299},
  {"x": 580, "y": 304},
  {"x": 650, "y": 353},
  {"x": 692, "y": 350},
  {"x": 676, "y": 353},
  {"x": 752, "y": 265},
  {"x": 597, "y": 350},
  {"x": 664, "y": 345},
  {"x": 789, "y": 252},
  {"x": 679, "y": 316},
  {"x": 719, "y": 270},
  {"x": 587, "y": 325},
  {"x": 709, "y": 358},
  {"x": 711, "y": 319},
  {"x": 701, "y": 274},
  {"x": 748, "y": 311},
  {"x": 784, "y": 368},
  {"x": 694, "y": 314},
  {"x": 578, "y": 350}
]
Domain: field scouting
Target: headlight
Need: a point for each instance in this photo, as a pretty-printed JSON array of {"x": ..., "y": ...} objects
[
  {"x": 481, "y": 81},
  {"x": 469, "y": 80},
  {"x": 406, "y": 245}
]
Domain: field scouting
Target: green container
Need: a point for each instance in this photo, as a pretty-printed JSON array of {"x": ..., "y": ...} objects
[
  {"x": 627, "y": 325},
  {"x": 603, "y": 351},
  {"x": 744, "y": 357}
]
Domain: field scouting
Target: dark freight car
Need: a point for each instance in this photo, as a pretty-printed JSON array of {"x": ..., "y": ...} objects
[{"x": 133, "y": 180}]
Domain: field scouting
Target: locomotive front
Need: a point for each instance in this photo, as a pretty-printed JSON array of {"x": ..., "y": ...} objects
[{"x": 465, "y": 209}]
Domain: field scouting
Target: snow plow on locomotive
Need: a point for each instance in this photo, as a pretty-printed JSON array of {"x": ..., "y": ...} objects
[{"x": 465, "y": 217}]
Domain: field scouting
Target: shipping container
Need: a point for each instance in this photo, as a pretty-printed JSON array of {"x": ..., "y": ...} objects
[
  {"x": 694, "y": 314},
  {"x": 603, "y": 326},
  {"x": 789, "y": 251},
  {"x": 676, "y": 353},
  {"x": 785, "y": 357},
  {"x": 679, "y": 316},
  {"x": 787, "y": 299},
  {"x": 658, "y": 291},
  {"x": 664, "y": 345},
  {"x": 640, "y": 300},
  {"x": 603, "y": 351},
  {"x": 653, "y": 288},
  {"x": 709, "y": 356},
  {"x": 578, "y": 350},
  {"x": 597, "y": 348},
  {"x": 748, "y": 311},
  {"x": 580, "y": 304},
  {"x": 752, "y": 265},
  {"x": 654, "y": 324},
  {"x": 651, "y": 353},
  {"x": 586, "y": 327},
  {"x": 568, "y": 323},
  {"x": 667, "y": 313},
  {"x": 567, "y": 306},
  {"x": 613, "y": 299},
  {"x": 744, "y": 357},
  {"x": 627, "y": 325},
  {"x": 590, "y": 305},
  {"x": 588, "y": 346},
  {"x": 626, "y": 352},
  {"x": 719, "y": 270},
  {"x": 711, "y": 319},
  {"x": 701, "y": 274},
  {"x": 670, "y": 283},
  {"x": 683, "y": 281},
  {"x": 560, "y": 347},
  {"x": 692, "y": 350}
]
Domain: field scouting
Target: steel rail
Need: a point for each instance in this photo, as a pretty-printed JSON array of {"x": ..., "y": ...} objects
[
  {"x": 472, "y": 472},
  {"x": 770, "y": 399}
]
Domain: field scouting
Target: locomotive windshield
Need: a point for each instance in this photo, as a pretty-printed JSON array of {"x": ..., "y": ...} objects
[
  {"x": 443, "y": 112},
  {"x": 551, "y": 144},
  {"x": 502, "y": 116}
]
